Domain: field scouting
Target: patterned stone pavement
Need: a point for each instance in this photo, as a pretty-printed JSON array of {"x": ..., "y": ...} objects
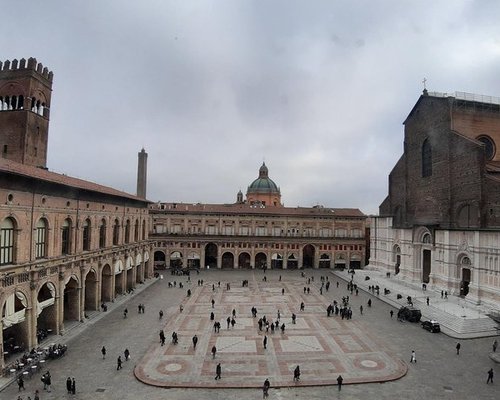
[{"x": 324, "y": 347}]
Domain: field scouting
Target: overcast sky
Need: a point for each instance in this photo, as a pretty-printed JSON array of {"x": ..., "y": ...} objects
[{"x": 317, "y": 89}]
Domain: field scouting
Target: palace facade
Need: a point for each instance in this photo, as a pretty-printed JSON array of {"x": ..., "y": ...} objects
[
  {"x": 440, "y": 223},
  {"x": 256, "y": 233},
  {"x": 66, "y": 245}
]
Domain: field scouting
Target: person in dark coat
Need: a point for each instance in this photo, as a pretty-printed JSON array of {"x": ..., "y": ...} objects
[
  {"x": 458, "y": 348},
  {"x": 68, "y": 384},
  {"x": 265, "y": 388},
  {"x": 218, "y": 371},
  {"x": 195, "y": 341},
  {"x": 126, "y": 353},
  {"x": 214, "y": 350},
  {"x": 339, "y": 381},
  {"x": 103, "y": 351},
  {"x": 73, "y": 386},
  {"x": 265, "y": 342},
  {"x": 296, "y": 374},
  {"x": 119, "y": 363},
  {"x": 20, "y": 383},
  {"x": 490, "y": 376}
]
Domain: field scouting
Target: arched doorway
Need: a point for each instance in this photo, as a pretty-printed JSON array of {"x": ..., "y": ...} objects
[
  {"x": 71, "y": 301},
  {"x": 308, "y": 256},
  {"x": 106, "y": 283},
  {"x": 277, "y": 261},
  {"x": 159, "y": 260},
  {"x": 176, "y": 260},
  {"x": 396, "y": 258},
  {"x": 292, "y": 262},
  {"x": 426, "y": 257},
  {"x": 324, "y": 261},
  {"x": 193, "y": 261},
  {"x": 244, "y": 260},
  {"x": 260, "y": 260},
  {"x": 211, "y": 255},
  {"x": 91, "y": 291},
  {"x": 465, "y": 265},
  {"x": 228, "y": 260},
  {"x": 15, "y": 325},
  {"x": 46, "y": 311}
]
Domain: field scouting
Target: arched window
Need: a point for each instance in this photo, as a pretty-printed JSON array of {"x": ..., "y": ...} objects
[
  {"x": 427, "y": 238},
  {"x": 144, "y": 230},
  {"x": 7, "y": 241},
  {"x": 116, "y": 232},
  {"x": 86, "y": 235},
  {"x": 102, "y": 234},
  {"x": 489, "y": 146},
  {"x": 136, "y": 231},
  {"x": 127, "y": 232},
  {"x": 41, "y": 239},
  {"x": 426, "y": 159},
  {"x": 66, "y": 237}
]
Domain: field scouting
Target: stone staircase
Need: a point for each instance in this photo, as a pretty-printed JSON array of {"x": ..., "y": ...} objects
[{"x": 457, "y": 320}]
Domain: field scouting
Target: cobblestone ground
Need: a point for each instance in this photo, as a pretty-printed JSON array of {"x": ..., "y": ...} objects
[{"x": 439, "y": 373}]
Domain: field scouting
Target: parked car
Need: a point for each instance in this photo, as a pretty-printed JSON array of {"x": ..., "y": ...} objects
[
  {"x": 409, "y": 314},
  {"x": 431, "y": 326}
]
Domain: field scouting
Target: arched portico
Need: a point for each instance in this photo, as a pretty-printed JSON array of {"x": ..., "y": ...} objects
[
  {"x": 15, "y": 324},
  {"x": 176, "y": 260},
  {"x": 159, "y": 260},
  {"x": 119, "y": 278},
  {"x": 107, "y": 283},
  {"x": 71, "y": 300},
  {"x": 292, "y": 262},
  {"x": 260, "y": 260},
  {"x": 244, "y": 260},
  {"x": 46, "y": 311},
  {"x": 276, "y": 261},
  {"x": 308, "y": 256},
  {"x": 211, "y": 255},
  {"x": 227, "y": 260},
  {"x": 91, "y": 293},
  {"x": 324, "y": 261}
]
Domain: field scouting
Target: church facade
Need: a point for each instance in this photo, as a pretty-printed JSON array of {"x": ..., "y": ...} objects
[
  {"x": 440, "y": 223},
  {"x": 257, "y": 233}
]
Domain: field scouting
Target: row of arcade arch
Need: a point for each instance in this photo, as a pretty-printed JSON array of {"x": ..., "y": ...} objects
[
  {"x": 244, "y": 260},
  {"x": 29, "y": 315}
]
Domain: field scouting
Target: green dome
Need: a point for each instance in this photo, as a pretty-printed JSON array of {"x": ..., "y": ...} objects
[{"x": 263, "y": 184}]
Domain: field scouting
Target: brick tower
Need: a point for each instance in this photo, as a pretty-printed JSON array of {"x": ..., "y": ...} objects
[
  {"x": 25, "y": 92},
  {"x": 142, "y": 173}
]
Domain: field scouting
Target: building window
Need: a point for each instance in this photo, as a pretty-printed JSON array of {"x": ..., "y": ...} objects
[
  {"x": 143, "y": 230},
  {"x": 127, "y": 232},
  {"x": 7, "y": 241},
  {"x": 102, "y": 234},
  {"x": 116, "y": 232},
  {"x": 426, "y": 159},
  {"x": 41, "y": 239},
  {"x": 86, "y": 235},
  {"x": 66, "y": 237},
  {"x": 489, "y": 147},
  {"x": 136, "y": 231}
]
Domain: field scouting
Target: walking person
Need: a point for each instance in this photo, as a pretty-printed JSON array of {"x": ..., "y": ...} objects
[
  {"x": 125, "y": 312},
  {"x": 392, "y": 313},
  {"x": 20, "y": 383},
  {"x": 73, "y": 386},
  {"x": 218, "y": 371},
  {"x": 214, "y": 350},
  {"x": 265, "y": 389},
  {"x": 195, "y": 341},
  {"x": 296, "y": 374},
  {"x": 48, "y": 381},
  {"x": 361, "y": 310},
  {"x": 160, "y": 314},
  {"x": 413, "y": 358},
  {"x": 119, "y": 363},
  {"x": 458, "y": 348},
  {"x": 68, "y": 384},
  {"x": 495, "y": 345},
  {"x": 126, "y": 353},
  {"x": 339, "y": 382},
  {"x": 103, "y": 351},
  {"x": 264, "y": 342},
  {"x": 490, "y": 376}
]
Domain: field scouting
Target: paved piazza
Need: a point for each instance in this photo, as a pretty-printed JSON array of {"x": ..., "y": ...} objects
[
  {"x": 324, "y": 347},
  {"x": 348, "y": 345}
]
